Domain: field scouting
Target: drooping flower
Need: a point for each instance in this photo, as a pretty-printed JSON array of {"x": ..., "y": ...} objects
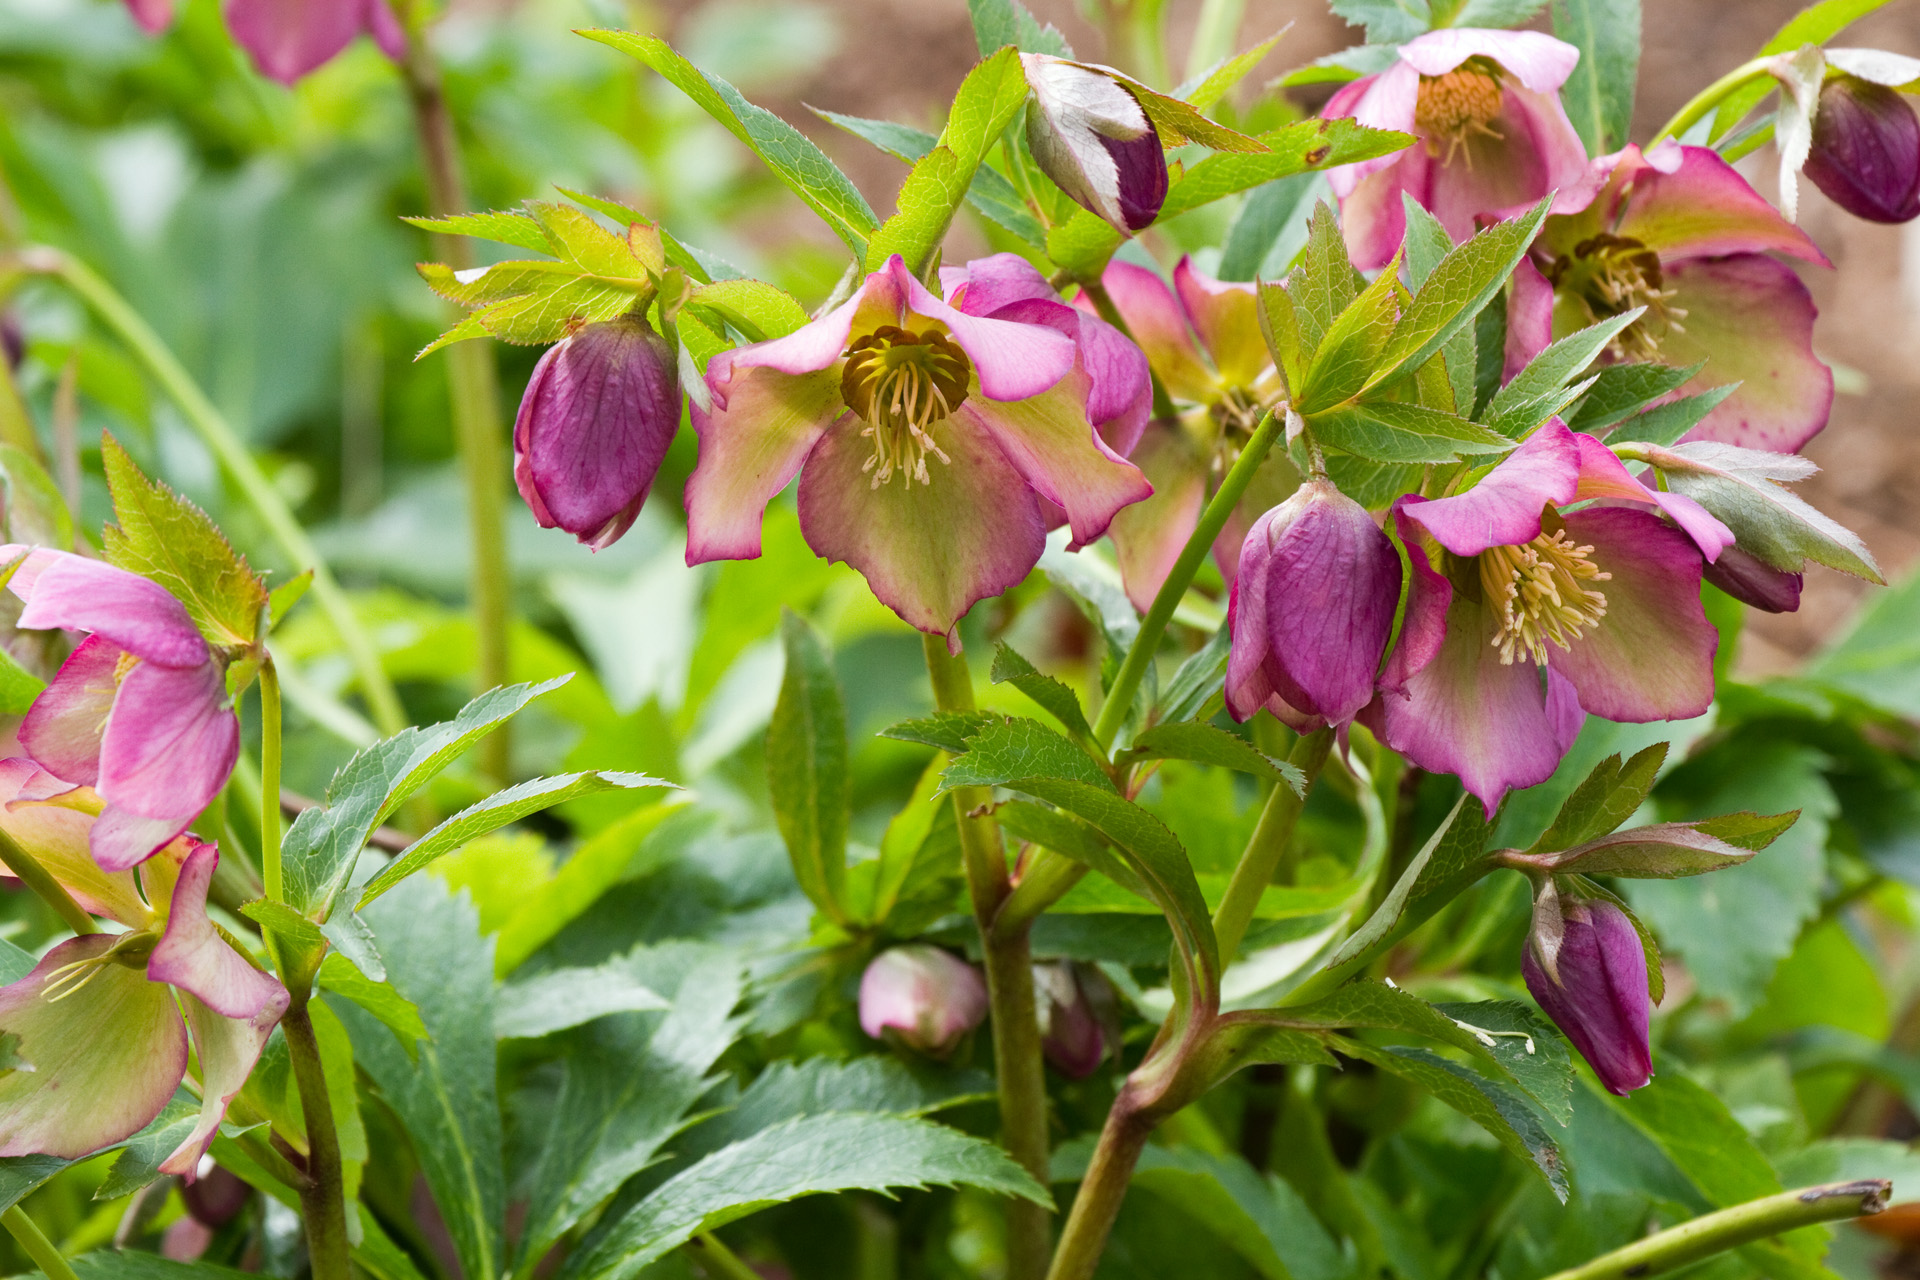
[
  {"x": 1493, "y": 136},
  {"x": 922, "y": 996},
  {"x": 139, "y": 712},
  {"x": 1678, "y": 232},
  {"x": 1311, "y": 611},
  {"x": 1202, "y": 338},
  {"x": 1089, "y": 133},
  {"x": 99, "y": 1020},
  {"x": 929, "y": 440},
  {"x": 1590, "y": 977},
  {"x": 1079, "y": 1015},
  {"x": 594, "y": 424},
  {"x": 1865, "y": 151},
  {"x": 1523, "y": 615}
]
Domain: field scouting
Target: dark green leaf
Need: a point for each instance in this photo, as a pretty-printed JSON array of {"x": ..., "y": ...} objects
[
  {"x": 1622, "y": 390},
  {"x": 560, "y": 998},
  {"x": 1526, "y": 1045},
  {"x": 789, "y": 1090},
  {"x": 1270, "y": 210},
  {"x": 1018, "y": 748},
  {"x": 1516, "y": 407},
  {"x": 1390, "y": 432},
  {"x": 1599, "y": 94},
  {"x": 947, "y": 730},
  {"x": 807, "y": 767},
  {"x": 1325, "y": 283},
  {"x": 1608, "y": 797},
  {"x": 1351, "y": 349},
  {"x": 1197, "y": 680},
  {"x": 1452, "y": 858},
  {"x": 1053, "y": 697},
  {"x": 378, "y": 997},
  {"x": 1209, "y": 744},
  {"x": 1666, "y": 423}
]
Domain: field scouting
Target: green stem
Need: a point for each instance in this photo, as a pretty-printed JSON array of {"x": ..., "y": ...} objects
[
  {"x": 1214, "y": 34},
  {"x": 1730, "y": 1228},
  {"x": 28, "y": 871},
  {"x": 323, "y": 1199},
  {"x": 1268, "y": 845},
  {"x": 474, "y": 387},
  {"x": 717, "y": 1260},
  {"x": 270, "y": 780},
  {"x": 1154, "y": 625},
  {"x": 1047, "y": 879},
  {"x": 42, "y": 1250},
  {"x": 1008, "y": 960},
  {"x": 1096, "y": 1205},
  {"x": 1709, "y": 98},
  {"x": 219, "y": 437}
]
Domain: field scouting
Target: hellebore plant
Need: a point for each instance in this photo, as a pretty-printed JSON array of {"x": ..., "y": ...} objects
[
  {"x": 927, "y": 439},
  {"x": 1678, "y": 232},
  {"x": 102, "y": 1039},
  {"x": 1590, "y": 977},
  {"x": 289, "y": 38},
  {"x": 1493, "y": 137},
  {"x": 139, "y": 712},
  {"x": 926, "y": 998}
]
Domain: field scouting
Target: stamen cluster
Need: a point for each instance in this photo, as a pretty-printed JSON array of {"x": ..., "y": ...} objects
[
  {"x": 904, "y": 384},
  {"x": 1614, "y": 274},
  {"x": 1452, "y": 108},
  {"x": 1537, "y": 588}
]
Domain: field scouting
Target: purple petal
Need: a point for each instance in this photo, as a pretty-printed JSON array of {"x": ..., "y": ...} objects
[
  {"x": 152, "y": 15},
  {"x": 1121, "y": 397},
  {"x": 1703, "y": 208},
  {"x": 1603, "y": 475},
  {"x": 62, "y": 728},
  {"x": 1385, "y": 101},
  {"x": 1536, "y": 60},
  {"x": 1159, "y": 325},
  {"x": 814, "y": 346},
  {"x": 1429, "y": 599},
  {"x": 1226, "y": 315},
  {"x": 1503, "y": 510},
  {"x": 1529, "y": 318},
  {"x": 169, "y": 745},
  {"x": 386, "y": 30},
  {"x": 1013, "y": 361},
  {"x": 985, "y": 285},
  {"x": 139, "y": 615},
  {"x": 194, "y": 957},
  {"x": 55, "y": 832},
  {"x": 1564, "y": 711},
  {"x": 289, "y": 38},
  {"x": 1149, "y": 535},
  {"x": 1651, "y": 656},
  {"x": 763, "y": 424},
  {"x": 1866, "y": 150},
  {"x": 1141, "y": 176},
  {"x": 1601, "y": 1000},
  {"x": 1751, "y": 580},
  {"x": 105, "y": 1058}
]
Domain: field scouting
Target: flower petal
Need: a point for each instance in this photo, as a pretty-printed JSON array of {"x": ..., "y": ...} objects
[
  {"x": 1120, "y": 399},
  {"x": 1385, "y": 101},
  {"x": 193, "y": 956},
  {"x": 139, "y": 615},
  {"x": 761, "y": 428},
  {"x": 1651, "y": 656},
  {"x": 169, "y": 746},
  {"x": 1148, "y": 535},
  {"x": 152, "y": 15},
  {"x": 62, "y": 728},
  {"x": 1564, "y": 711},
  {"x": 928, "y": 551},
  {"x": 816, "y": 345},
  {"x": 1252, "y": 673},
  {"x": 1159, "y": 325},
  {"x": 1533, "y": 152},
  {"x": 227, "y": 1049},
  {"x": 385, "y": 28},
  {"x": 289, "y": 38},
  {"x": 1751, "y": 580},
  {"x": 1013, "y": 361},
  {"x": 1373, "y": 215},
  {"x": 985, "y": 285},
  {"x": 1423, "y": 629},
  {"x": 1703, "y": 208},
  {"x": 1529, "y": 318},
  {"x": 1503, "y": 510},
  {"x": 54, "y": 831},
  {"x": 1226, "y": 315},
  {"x": 1603, "y": 475},
  {"x": 105, "y": 1058},
  {"x": 1536, "y": 60}
]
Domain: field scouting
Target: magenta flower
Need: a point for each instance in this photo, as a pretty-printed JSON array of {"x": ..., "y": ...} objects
[
  {"x": 1592, "y": 981},
  {"x": 930, "y": 439},
  {"x": 139, "y": 712},
  {"x": 288, "y": 38},
  {"x": 1202, "y": 338},
  {"x": 1678, "y": 232},
  {"x": 1523, "y": 616},
  {"x": 1311, "y": 610},
  {"x": 1493, "y": 136},
  {"x": 99, "y": 1019},
  {"x": 1866, "y": 150},
  {"x": 594, "y": 424},
  {"x": 1079, "y": 1016},
  {"x": 922, "y": 996}
]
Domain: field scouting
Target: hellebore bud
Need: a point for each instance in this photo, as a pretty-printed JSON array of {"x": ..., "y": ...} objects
[
  {"x": 1866, "y": 150},
  {"x": 1585, "y": 965},
  {"x": 1079, "y": 1016},
  {"x": 1089, "y": 133},
  {"x": 594, "y": 424},
  {"x": 927, "y": 998},
  {"x": 1751, "y": 580}
]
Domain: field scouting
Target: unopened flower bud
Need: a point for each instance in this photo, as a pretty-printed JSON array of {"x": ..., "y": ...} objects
[
  {"x": 216, "y": 1197},
  {"x": 1866, "y": 150},
  {"x": 1585, "y": 965},
  {"x": 1751, "y": 580},
  {"x": 925, "y": 998},
  {"x": 1089, "y": 133},
  {"x": 1079, "y": 1016},
  {"x": 594, "y": 424}
]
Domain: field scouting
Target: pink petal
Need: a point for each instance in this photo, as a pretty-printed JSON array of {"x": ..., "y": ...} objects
[
  {"x": 1385, "y": 101},
  {"x": 1536, "y": 60},
  {"x": 1423, "y": 629},
  {"x": 815, "y": 345},
  {"x": 289, "y": 38},
  {"x": 927, "y": 551},
  {"x": 985, "y": 285},
  {"x": 1149, "y": 535},
  {"x": 1529, "y": 318},
  {"x": 227, "y": 1049},
  {"x": 1564, "y": 711},
  {"x": 139, "y": 615},
  {"x": 1013, "y": 361},
  {"x": 1121, "y": 398},
  {"x": 1252, "y": 672},
  {"x": 1603, "y": 475},
  {"x": 1503, "y": 510},
  {"x": 761, "y": 428},
  {"x": 194, "y": 957},
  {"x": 386, "y": 30},
  {"x": 169, "y": 745},
  {"x": 1704, "y": 208},
  {"x": 1159, "y": 325},
  {"x": 105, "y": 1058},
  {"x": 152, "y": 15},
  {"x": 1536, "y": 153},
  {"x": 120, "y": 838},
  {"x": 1651, "y": 656},
  {"x": 55, "y": 833},
  {"x": 1373, "y": 216},
  {"x": 1227, "y": 318},
  {"x": 62, "y": 728}
]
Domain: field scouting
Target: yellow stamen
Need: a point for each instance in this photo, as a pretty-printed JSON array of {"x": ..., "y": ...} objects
[
  {"x": 1608, "y": 275},
  {"x": 904, "y": 385},
  {"x": 1537, "y": 589},
  {"x": 132, "y": 950},
  {"x": 1452, "y": 108}
]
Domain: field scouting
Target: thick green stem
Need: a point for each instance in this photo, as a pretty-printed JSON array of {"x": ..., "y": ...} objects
[
  {"x": 219, "y": 437},
  {"x": 270, "y": 781},
  {"x": 1154, "y": 625},
  {"x": 1009, "y": 965},
  {"x": 474, "y": 387},
  {"x": 1046, "y": 880},
  {"x": 29, "y": 872},
  {"x": 1268, "y": 845},
  {"x": 45, "y": 1255},
  {"x": 717, "y": 1260},
  {"x": 1730, "y": 1228},
  {"x": 1709, "y": 98},
  {"x": 323, "y": 1199},
  {"x": 1097, "y": 1203}
]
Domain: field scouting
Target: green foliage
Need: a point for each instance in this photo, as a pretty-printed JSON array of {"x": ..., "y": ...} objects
[
  {"x": 807, "y": 768},
  {"x": 1599, "y": 93}
]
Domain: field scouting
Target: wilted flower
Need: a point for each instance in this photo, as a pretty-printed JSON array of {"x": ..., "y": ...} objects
[
  {"x": 1311, "y": 611},
  {"x": 1089, "y": 133},
  {"x": 929, "y": 438},
  {"x": 139, "y": 712},
  {"x": 1866, "y": 150},
  {"x": 289, "y": 38},
  {"x": 1585, "y": 965},
  {"x": 923, "y": 996},
  {"x": 1493, "y": 136},
  {"x": 1522, "y": 616},
  {"x": 1678, "y": 232},
  {"x": 99, "y": 1019},
  {"x": 1079, "y": 1016},
  {"x": 596, "y": 419}
]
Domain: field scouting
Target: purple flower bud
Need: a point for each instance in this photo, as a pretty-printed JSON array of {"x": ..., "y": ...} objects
[
  {"x": 924, "y": 997},
  {"x": 217, "y": 1198},
  {"x": 1079, "y": 1016},
  {"x": 1751, "y": 580},
  {"x": 1594, "y": 987},
  {"x": 1866, "y": 150},
  {"x": 1089, "y": 133},
  {"x": 597, "y": 417}
]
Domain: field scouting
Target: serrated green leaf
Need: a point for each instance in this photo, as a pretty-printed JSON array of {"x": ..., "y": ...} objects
[
  {"x": 789, "y": 1090},
  {"x": 1324, "y": 284},
  {"x": 500, "y": 226},
  {"x": 1210, "y": 744},
  {"x": 560, "y": 998},
  {"x": 379, "y": 998},
  {"x": 1051, "y": 696},
  {"x": 1197, "y": 680},
  {"x": 1452, "y": 858},
  {"x": 1512, "y": 410},
  {"x": 997, "y": 23},
  {"x": 584, "y": 244},
  {"x": 550, "y": 314},
  {"x": 947, "y": 730},
  {"x": 1386, "y": 21},
  {"x": 807, "y": 777},
  {"x": 990, "y": 194},
  {"x": 140, "y": 1158},
  {"x": 1348, "y": 355},
  {"x": 1748, "y": 830},
  {"x": 1387, "y": 432},
  {"x": 1743, "y": 488},
  {"x": 1622, "y": 390},
  {"x": 1013, "y": 747},
  {"x": 1218, "y": 79},
  {"x": 478, "y": 286},
  {"x": 1526, "y": 1046},
  {"x": 1599, "y": 94},
  {"x": 1607, "y": 797},
  {"x": 1663, "y": 424},
  {"x": 758, "y": 309}
]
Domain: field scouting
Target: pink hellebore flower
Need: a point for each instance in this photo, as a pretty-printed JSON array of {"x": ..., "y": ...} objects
[
  {"x": 99, "y": 1019},
  {"x": 930, "y": 439},
  {"x": 1202, "y": 337},
  {"x": 1596, "y": 991},
  {"x": 1679, "y": 232},
  {"x": 922, "y": 996},
  {"x": 1311, "y": 610},
  {"x": 139, "y": 711},
  {"x": 1493, "y": 136},
  {"x": 1524, "y": 615}
]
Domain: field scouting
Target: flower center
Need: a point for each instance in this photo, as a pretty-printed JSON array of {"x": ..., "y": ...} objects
[
  {"x": 133, "y": 950},
  {"x": 1538, "y": 589},
  {"x": 904, "y": 385},
  {"x": 1612, "y": 274},
  {"x": 1452, "y": 108}
]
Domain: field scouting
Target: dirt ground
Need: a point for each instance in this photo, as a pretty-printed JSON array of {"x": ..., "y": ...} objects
[{"x": 902, "y": 59}]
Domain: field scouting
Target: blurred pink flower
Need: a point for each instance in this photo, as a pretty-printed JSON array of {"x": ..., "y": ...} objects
[{"x": 922, "y": 996}]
